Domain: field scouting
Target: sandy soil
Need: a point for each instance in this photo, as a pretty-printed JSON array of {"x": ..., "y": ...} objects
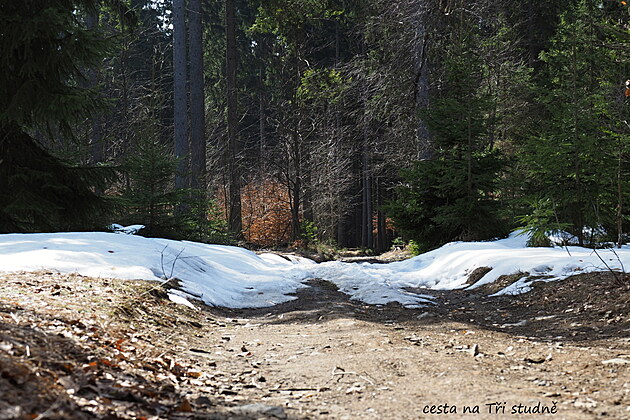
[{"x": 77, "y": 347}]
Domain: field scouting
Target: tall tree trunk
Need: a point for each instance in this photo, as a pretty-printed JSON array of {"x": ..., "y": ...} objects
[
  {"x": 235, "y": 223},
  {"x": 421, "y": 92},
  {"x": 367, "y": 227},
  {"x": 180, "y": 106},
  {"x": 263, "y": 55},
  {"x": 197, "y": 109},
  {"x": 96, "y": 134},
  {"x": 261, "y": 119},
  {"x": 366, "y": 170},
  {"x": 341, "y": 203},
  {"x": 125, "y": 95},
  {"x": 296, "y": 192},
  {"x": 381, "y": 222},
  {"x": 299, "y": 149},
  {"x": 579, "y": 219},
  {"x": 619, "y": 196}
]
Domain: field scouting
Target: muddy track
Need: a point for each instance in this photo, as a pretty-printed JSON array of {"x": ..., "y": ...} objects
[
  {"x": 544, "y": 349},
  {"x": 563, "y": 349}
]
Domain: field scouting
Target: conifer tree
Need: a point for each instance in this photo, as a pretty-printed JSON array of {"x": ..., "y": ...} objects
[
  {"x": 450, "y": 195},
  {"x": 44, "y": 45},
  {"x": 571, "y": 157}
]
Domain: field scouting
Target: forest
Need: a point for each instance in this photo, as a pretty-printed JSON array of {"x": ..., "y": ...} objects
[
  {"x": 353, "y": 124},
  {"x": 314, "y": 209}
]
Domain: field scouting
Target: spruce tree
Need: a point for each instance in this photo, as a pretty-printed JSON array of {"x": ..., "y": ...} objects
[
  {"x": 451, "y": 195},
  {"x": 571, "y": 157},
  {"x": 44, "y": 47},
  {"x": 150, "y": 198}
]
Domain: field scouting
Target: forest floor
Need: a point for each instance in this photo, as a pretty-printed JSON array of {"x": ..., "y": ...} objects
[{"x": 74, "y": 347}]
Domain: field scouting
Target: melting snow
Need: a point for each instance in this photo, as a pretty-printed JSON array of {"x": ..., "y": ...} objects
[{"x": 237, "y": 278}]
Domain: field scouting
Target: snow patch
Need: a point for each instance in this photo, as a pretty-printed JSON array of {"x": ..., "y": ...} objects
[
  {"x": 217, "y": 275},
  {"x": 181, "y": 300},
  {"x": 237, "y": 278}
]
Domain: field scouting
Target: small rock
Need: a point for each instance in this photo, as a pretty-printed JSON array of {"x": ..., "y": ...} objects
[
  {"x": 227, "y": 391},
  {"x": 474, "y": 350},
  {"x": 203, "y": 401},
  {"x": 258, "y": 410},
  {"x": 68, "y": 384},
  {"x": 355, "y": 389},
  {"x": 585, "y": 403},
  {"x": 185, "y": 406},
  {"x": 414, "y": 339},
  {"x": 516, "y": 324},
  {"x": 536, "y": 360},
  {"x": 617, "y": 361}
]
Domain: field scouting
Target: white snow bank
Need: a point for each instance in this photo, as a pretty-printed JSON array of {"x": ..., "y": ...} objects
[
  {"x": 218, "y": 275},
  {"x": 448, "y": 268},
  {"x": 237, "y": 278},
  {"x": 375, "y": 284}
]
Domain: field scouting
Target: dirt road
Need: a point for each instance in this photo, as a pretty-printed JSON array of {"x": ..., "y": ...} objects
[{"x": 561, "y": 351}]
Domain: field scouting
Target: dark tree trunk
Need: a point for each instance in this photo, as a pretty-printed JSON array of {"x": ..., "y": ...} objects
[
  {"x": 366, "y": 225},
  {"x": 296, "y": 191},
  {"x": 619, "y": 216},
  {"x": 366, "y": 176},
  {"x": 263, "y": 55},
  {"x": 180, "y": 106},
  {"x": 96, "y": 134},
  {"x": 197, "y": 111},
  {"x": 381, "y": 223},
  {"x": 341, "y": 204},
  {"x": 235, "y": 223},
  {"x": 261, "y": 119},
  {"x": 421, "y": 92}
]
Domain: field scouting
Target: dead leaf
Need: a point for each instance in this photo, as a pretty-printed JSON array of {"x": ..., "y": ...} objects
[
  {"x": 118, "y": 343},
  {"x": 194, "y": 374},
  {"x": 185, "y": 406},
  {"x": 107, "y": 363}
]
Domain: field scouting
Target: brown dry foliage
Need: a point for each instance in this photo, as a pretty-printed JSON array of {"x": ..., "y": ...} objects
[{"x": 266, "y": 212}]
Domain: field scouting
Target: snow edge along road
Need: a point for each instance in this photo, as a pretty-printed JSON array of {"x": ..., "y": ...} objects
[{"x": 234, "y": 277}]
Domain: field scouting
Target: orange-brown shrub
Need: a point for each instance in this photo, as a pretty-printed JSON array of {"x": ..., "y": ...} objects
[{"x": 266, "y": 212}]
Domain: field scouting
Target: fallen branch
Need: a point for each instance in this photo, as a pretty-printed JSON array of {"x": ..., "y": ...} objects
[
  {"x": 620, "y": 277},
  {"x": 344, "y": 372}
]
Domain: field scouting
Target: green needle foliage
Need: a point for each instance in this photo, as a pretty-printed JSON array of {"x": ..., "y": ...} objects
[
  {"x": 151, "y": 200},
  {"x": 571, "y": 158},
  {"x": 540, "y": 222},
  {"x": 451, "y": 195},
  {"x": 44, "y": 47}
]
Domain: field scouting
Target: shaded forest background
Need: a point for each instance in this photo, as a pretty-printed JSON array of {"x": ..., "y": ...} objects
[{"x": 294, "y": 122}]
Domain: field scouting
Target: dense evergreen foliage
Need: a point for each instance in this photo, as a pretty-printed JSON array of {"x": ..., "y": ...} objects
[
  {"x": 451, "y": 195},
  {"x": 44, "y": 47}
]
